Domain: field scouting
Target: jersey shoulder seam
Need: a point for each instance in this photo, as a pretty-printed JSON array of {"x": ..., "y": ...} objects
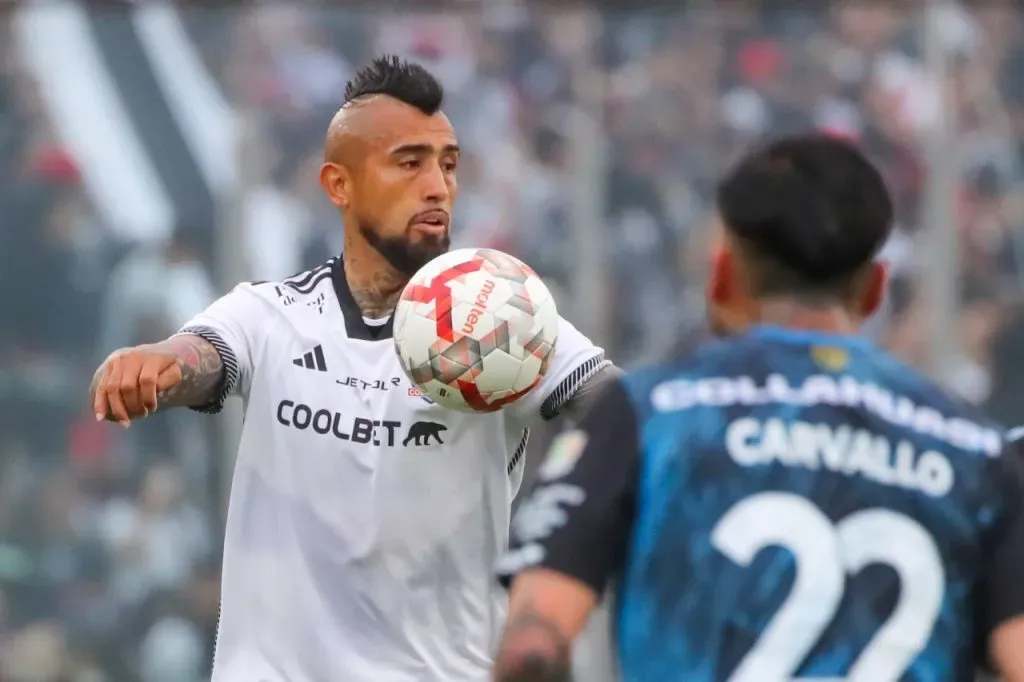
[
  {"x": 301, "y": 282},
  {"x": 308, "y": 289}
]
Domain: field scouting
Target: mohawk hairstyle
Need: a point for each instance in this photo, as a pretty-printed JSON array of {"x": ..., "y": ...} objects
[{"x": 397, "y": 78}]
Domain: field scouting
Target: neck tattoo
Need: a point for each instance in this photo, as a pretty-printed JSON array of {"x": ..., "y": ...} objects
[{"x": 377, "y": 292}]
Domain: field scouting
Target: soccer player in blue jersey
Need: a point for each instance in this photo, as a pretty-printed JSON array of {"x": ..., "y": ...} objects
[{"x": 788, "y": 502}]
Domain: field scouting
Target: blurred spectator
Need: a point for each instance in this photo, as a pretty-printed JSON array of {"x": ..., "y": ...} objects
[
  {"x": 277, "y": 220},
  {"x": 157, "y": 539},
  {"x": 153, "y": 291},
  {"x": 173, "y": 648},
  {"x": 542, "y": 234}
]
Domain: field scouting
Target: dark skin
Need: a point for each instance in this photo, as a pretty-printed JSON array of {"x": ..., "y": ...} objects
[
  {"x": 548, "y": 610},
  {"x": 390, "y": 169}
]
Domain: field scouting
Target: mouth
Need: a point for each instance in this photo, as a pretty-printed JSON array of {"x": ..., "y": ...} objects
[{"x": 435, "y": 221}]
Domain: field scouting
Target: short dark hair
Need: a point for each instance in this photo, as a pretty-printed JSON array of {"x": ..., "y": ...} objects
[
  {"x": 810, "y": 211},
  {"x": 403, "y": 80}
]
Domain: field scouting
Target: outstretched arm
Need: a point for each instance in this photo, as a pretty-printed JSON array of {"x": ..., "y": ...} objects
[
  {"x": 184, "y": 370},
  {"x": 569, "y": 538},
  {"x": 1002, "y": 612},
  {"x": 548, "y": 611},
  {"x": 210, "y": 358},
  {"x": 202, "y": 371}
]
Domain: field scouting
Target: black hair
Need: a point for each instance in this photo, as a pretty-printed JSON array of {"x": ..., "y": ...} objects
[
  {"x": 402, "y": 80},
  {"x": 810, "y": 212}
]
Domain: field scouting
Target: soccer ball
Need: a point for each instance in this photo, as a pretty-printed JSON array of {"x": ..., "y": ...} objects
[{"x": 475, "y": 330}]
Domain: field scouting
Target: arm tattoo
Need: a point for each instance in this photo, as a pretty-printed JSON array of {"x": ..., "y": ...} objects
[
  {"x": 202, "y": 371},
  {"x": 533, "y": 650}
]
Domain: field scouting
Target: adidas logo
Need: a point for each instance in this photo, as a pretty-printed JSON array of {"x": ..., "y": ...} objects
[{"x": 314, "y": 359}]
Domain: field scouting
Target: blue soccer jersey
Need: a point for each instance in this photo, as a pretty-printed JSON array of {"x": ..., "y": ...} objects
[{"x": 785, "y": 505}]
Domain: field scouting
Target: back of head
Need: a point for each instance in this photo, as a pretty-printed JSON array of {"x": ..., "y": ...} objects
[{"x": 807, "y": 213}]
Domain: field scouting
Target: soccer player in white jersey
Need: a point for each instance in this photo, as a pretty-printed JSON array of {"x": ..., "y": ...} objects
[{"x": 364, "y": 520}]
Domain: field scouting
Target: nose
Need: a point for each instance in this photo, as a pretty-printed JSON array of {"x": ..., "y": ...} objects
[{"x": 435, "y": 185}]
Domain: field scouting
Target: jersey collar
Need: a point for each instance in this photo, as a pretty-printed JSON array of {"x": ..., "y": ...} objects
[
  {"x": 355, "y": 328},
  {"x": 807, "y": 336}
]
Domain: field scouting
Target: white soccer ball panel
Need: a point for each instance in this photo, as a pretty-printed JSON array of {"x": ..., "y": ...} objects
[
  {"x": 502, "y": 395},
  {"x": 416, "y": 326},
  {"x": 546, "y": 315},
  {"x": 475, "y": 329},
  {"x": 520, "y": 324},
  {"x": 528, "y": 371},
  {"x": 538, "y": 291},
  {"x": 445, "y": 261},
  {"x": 401, "y": 318},
  {"x": 500, "y": 372},
  {"x": 444, "y": 396},
  {"x": 549, "y": 328}
]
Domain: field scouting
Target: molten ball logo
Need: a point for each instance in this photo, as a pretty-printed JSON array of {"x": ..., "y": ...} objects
[
  {"x": 475, "y": 330},
  {"x": 479, "y": 306}
]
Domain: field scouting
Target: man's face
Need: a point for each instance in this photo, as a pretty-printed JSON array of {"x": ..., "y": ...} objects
[{"x": 401, "y": 184}]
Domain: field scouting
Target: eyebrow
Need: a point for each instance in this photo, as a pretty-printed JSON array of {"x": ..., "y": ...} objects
[{"x": 423, "y": 149}]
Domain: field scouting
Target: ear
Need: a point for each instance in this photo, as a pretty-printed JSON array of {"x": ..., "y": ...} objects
[
  {"x": 337, "y": 184},
  {"x": 721, "y": 289},
  {"x": 874, "y": 291}
]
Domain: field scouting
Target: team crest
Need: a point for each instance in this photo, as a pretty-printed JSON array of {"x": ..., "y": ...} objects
[
  {"x": 563, "y": 454},
  {"x": 830, "y": 358}
]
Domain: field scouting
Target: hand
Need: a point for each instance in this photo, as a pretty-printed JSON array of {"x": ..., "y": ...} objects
[{"x": 128, "y": 382}]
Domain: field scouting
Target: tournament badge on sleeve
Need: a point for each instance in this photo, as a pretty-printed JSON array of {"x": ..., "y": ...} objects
[{"x": 563, "y": 454}]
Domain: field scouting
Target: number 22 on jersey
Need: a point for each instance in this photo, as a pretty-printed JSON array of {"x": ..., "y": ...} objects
[{"x": 824, "y": 554}]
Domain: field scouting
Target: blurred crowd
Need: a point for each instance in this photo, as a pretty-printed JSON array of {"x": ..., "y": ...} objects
[
  {"x": 679, "y": 94},
  {"x": 109, "y": 540}
]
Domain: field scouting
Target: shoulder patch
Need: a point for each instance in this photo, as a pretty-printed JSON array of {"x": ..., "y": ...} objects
[{"x": 563, "y": 454}]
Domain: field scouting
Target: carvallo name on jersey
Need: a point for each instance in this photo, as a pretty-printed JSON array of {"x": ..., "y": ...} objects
[{"x": 375, "y": 432}]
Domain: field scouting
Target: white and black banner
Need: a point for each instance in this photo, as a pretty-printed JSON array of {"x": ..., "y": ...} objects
[{"x": 131, "y": 99}]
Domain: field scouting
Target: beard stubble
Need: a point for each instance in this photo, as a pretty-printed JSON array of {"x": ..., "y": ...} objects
[{"x": 401, "y": 252}]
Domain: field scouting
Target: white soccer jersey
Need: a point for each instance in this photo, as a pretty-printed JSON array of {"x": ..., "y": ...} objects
[{"x": 364, "y": 520}]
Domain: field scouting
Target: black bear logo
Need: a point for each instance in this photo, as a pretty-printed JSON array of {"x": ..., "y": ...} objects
[{"x": 420, "y": 433}]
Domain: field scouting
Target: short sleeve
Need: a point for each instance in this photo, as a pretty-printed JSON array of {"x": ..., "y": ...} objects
[
  {"x": 576, "y": 360},
  {"x": 1003, "y": 590},
  {"x": 579, "y": 516},
  {"x": 231, "y": 324}
]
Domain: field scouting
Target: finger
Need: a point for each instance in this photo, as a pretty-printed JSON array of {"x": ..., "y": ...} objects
[
  {"x": 147, "y": 385},
  {"x": 112, "y": 390},
  {"x": 131, "y": 368},
  {"x": 169, "y": 378},
  {"x": 99, "y": 395}
]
